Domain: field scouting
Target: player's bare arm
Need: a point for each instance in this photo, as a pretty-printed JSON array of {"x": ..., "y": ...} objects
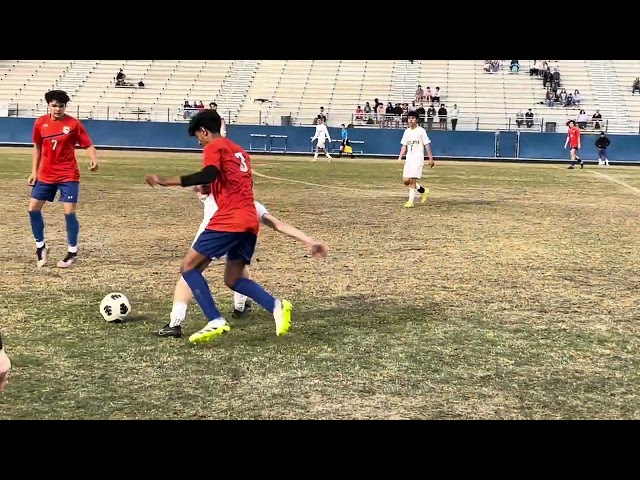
[
  {"x": 429, "y": 155},
  {"x": 205, "y": 176},
  {"x": 403, "y": 152},
  {"x": 35, "y": 163},
  {"x": 93, "y": 158},
  {"x": 316, "y": 248}
]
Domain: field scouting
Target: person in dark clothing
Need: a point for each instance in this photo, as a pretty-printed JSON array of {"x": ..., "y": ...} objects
[{"x": 601, "y": 144}]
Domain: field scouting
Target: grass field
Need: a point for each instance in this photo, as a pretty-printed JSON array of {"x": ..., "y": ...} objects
[{"x": 511, "y": 294}]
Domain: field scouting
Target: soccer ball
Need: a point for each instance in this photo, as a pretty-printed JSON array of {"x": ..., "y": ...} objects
[{"x": 115, "y": 307}]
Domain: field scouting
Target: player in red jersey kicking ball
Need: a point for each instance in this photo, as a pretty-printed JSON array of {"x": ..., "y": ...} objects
[
  {"x": 232, "y": 230},
  {"x": 55, "y": 169},
  {"x": 573, "y": 140}
]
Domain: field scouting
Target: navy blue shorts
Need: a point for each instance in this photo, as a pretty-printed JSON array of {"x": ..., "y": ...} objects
[
  {"x": 235, "y": 245},
  {"x": 69, "y": 191},
  {"x": 602, "y": 153}
]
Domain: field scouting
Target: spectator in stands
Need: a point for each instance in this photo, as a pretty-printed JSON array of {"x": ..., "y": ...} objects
[
  {"x": 533, "y": 68},
  {"x": 487, "y": 66},
  {"x": 323, "y": 114},
  {"x": 453, "y": 115},
  {"x": 420, "y": 111},
  {"x": 563, "y": 97},
  {"x": 380, "y": 114},
  {"x": 519, "y": 118},
  {"x": 187, "y": 104},
  {"x": 376, "y": 104},
  {"x": 397, "y": 114},
  {"x": 419, "y": 94},
  {"x": 120, "y": 75},
  {"x": 140, "y": 84},
  {"x": 431, "y": 113},
  {"x": 577, "y": 97},
  {"x": 515, "y": 66},
  {"x": 582, "y": 119},
  {"x": 636, "y": 86},
  {"x": 528, "y": 118},
  {"x": 359, "y": 114},
  {"x": 213, "y": 106},
  {"x": 367, "y": 112},
  {"x": 442, "y": 116},
  {"x": 428, "y": 95},
  {"x": 436, "y": 95},
  {"x": 556, "y": 77},
  {"x": 597, "y": 120},
  {"x": 549, "y": 98},
  {"x": 570, "y": 100}
]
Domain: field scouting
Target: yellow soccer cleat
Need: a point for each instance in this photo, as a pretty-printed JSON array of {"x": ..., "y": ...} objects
[
  {"x": 210, "y": 331},
  {"x": 424, "y": 196},
  {"x": 282, "y": 316},
  {"x": 409, "y": 204}
]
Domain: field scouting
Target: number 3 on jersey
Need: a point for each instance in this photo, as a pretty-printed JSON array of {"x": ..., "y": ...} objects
[{"x": 243, "y": 163}]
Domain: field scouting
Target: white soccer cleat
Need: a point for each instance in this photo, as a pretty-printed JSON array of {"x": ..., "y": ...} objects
[{"x": 43, "y": 254}]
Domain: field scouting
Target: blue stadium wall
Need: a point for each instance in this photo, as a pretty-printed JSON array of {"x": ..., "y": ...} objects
[{"x": 377, "y": 142}]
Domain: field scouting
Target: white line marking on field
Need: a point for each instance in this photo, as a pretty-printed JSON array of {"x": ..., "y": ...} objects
[
  {"x": 337, "y": 187},
  {"x": 636, "y": 191}
]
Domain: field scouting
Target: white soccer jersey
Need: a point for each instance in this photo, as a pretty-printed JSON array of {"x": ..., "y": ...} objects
[
  {"x": 415, "y": 140},
  {"x": 321, "y": 133}
]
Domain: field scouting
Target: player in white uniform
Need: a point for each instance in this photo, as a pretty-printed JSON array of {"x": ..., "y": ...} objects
[
  {"x": 242, "y": 306},
  {"x": 322, "y": 135},
  {"x": 414, "y": 141}
]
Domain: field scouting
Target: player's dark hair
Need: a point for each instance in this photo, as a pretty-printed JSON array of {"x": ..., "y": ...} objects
[
  {"x": 59, "y": 96},
  {"x": 412, "y": 114},
  {"x": 207, "y": 119}
]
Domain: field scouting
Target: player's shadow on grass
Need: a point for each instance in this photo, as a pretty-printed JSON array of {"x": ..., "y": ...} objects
[{"x": 366, "y": 313}]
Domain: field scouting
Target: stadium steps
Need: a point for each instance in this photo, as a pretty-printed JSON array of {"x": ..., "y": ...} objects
[
  {"x": 404, "y": 81},
  {"x": 235, "y": 87},
  {"x": 607, "y": 96},
  {"x": 76, "y": 74}
]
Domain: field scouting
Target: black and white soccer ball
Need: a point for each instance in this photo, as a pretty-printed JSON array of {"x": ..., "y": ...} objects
[{"x": 115, "y": 307}]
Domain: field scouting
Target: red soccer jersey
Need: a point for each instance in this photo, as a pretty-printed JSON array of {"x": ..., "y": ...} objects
[
  {"x": 232, "y": 189},
  {"x": 574, "y": 137},
  {"x": 58, "y": 139}
]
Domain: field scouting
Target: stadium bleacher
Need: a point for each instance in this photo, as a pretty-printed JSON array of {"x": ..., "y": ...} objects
[{"x": 266, "y": 91}]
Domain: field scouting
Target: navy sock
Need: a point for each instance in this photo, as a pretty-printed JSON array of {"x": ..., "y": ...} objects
[
  {"x": 251, "y": 289},
  {"x": 37, "y": 225},
  {"x": 420, "y": 190},
  {"x": 73, "y": 229},
  {"x": 202, "y": 293}
]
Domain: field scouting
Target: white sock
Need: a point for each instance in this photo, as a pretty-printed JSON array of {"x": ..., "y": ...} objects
[
  {"x": 315, "y": 156},
  {"x": 40, "y": 244},
  {"x": 239, "y": 301},
  {"x": 178, "y": 314},
  {"x": 327, "y": 154},
  {"x": 217, "y": 323},
  {"x": 73, "y": 249},
  {"x": 412, "y": 194}
]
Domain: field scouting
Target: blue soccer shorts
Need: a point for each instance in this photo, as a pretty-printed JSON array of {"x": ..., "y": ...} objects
[
  {"x": 69, "y": 191},
  {"x": 235, "y": 245}
]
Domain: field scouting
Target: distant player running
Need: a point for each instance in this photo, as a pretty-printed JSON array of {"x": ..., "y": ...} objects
[
  {"x": 573, "y": 140},
  {"x": 414, "y": 142},
  {"x": 241, "y": 304},
  {"x": 232, "y": 231},
  {"x": 55, "y": 169},
  {"x": 322, "y": 136},
  {"x": 602, "y": 143}
]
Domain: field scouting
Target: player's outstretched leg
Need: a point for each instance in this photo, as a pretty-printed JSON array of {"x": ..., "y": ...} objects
[
  {"x": 69, "y": 197},
  {"x": 37, "y": 227},
  {"x": 181, "y": 297},
  {"x": 234, "y": 279}
]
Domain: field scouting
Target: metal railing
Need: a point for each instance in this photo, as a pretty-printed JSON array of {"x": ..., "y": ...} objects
[{"x": 282, "y": 117}]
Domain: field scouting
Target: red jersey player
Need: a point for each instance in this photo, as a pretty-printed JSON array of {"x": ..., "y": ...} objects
[
  {"x": 573, "y": 140},
  {"x": 232, "y": 230},
  {"x": 55, "y": 169}
]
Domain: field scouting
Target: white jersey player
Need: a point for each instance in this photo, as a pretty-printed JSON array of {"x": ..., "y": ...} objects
[
  {"x": 414, "y": 142},
  {"x": 322, "y": 136},
  {"x": 182, "y": 294}
]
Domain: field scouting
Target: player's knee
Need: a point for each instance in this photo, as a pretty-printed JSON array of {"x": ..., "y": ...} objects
[
  {"x": 35, "y": 206},
  {"x": 407, "y": 182}
]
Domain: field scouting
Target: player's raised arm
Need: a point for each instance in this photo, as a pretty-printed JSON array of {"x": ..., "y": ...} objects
[
  {"x": 205, "y": 176},
  {"x": 317, "y": 249}
]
